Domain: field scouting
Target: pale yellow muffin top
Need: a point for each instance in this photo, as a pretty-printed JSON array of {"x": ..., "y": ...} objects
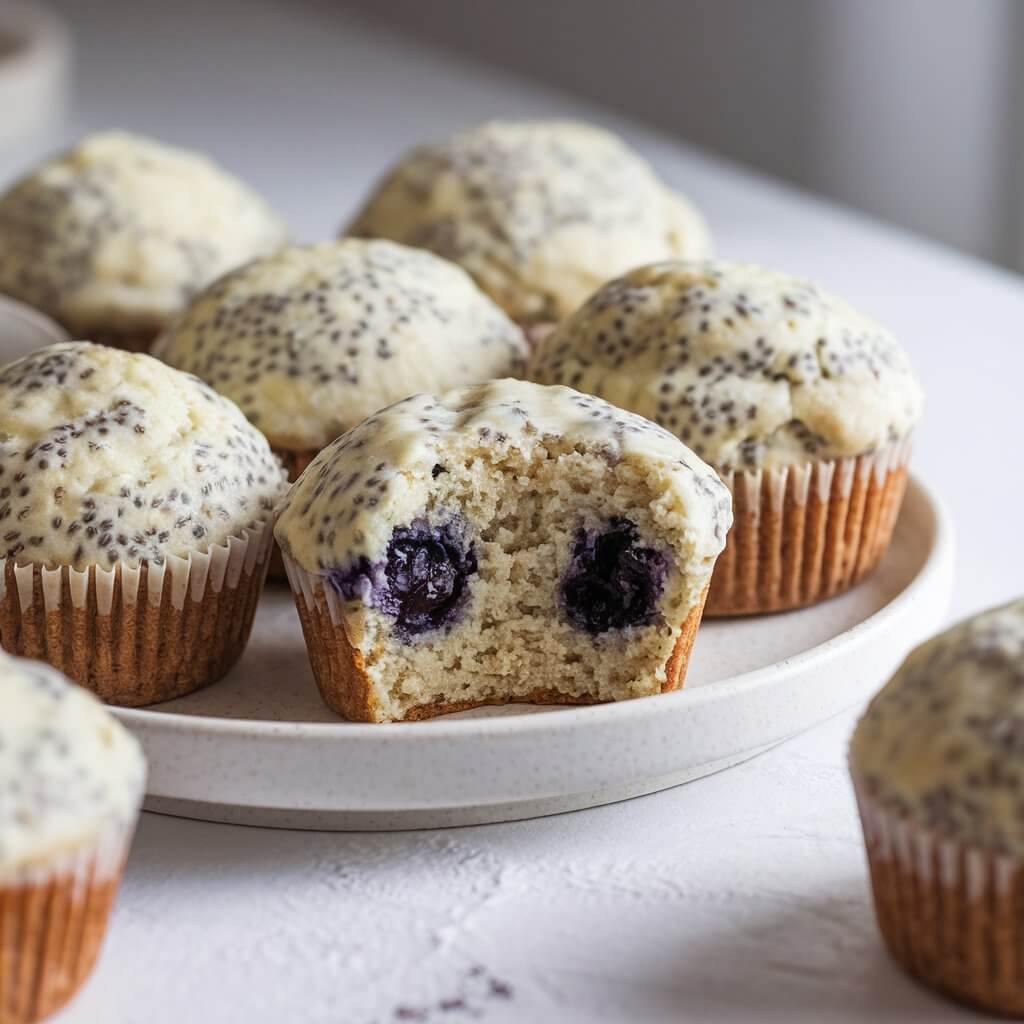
[
  {"x": 942, "y": 744},
  {"x": 539, "y": 212},
  {"x": 314, "y": 339},
  {"x": 346, "y": 504},
  {"x": 750, "y": 367},
  {"x": 119, "y": 232},
  {"x": 108, "y": 456},
  {"x": 69, "y": 772}
]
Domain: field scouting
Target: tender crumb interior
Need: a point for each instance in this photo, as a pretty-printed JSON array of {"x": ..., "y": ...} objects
[{"x": 523, "y": 513}]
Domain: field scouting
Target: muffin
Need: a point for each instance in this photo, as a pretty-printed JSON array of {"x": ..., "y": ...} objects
[
  {"x": 113, "y": 237},
  {"x": 135, "y": 507},
  {"x": 539, "y": 212},
  {"x": 312, "y": 340},
  {"x": 803, "y": 406},
  {"x": 71, "y": 783},
  {"x": 937, "y": 767},
  {"x": 502, "y": 543}
]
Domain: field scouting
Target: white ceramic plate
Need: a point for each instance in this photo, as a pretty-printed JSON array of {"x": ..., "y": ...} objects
[
  {"x": 260, "y": 748},
  {"x": 23, "y": 329}
]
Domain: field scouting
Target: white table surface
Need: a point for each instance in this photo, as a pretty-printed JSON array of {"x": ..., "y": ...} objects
[{"x": 739, "y": 897}]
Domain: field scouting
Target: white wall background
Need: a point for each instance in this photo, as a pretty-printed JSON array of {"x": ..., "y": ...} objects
[{"x": 904, "y": 108}]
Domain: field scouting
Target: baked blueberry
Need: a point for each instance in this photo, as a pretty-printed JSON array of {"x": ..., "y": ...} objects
[
  {"x": 421, "y": 582},
  {"x": 426, "y": 573},
  {"x": 613, "y": 582}
]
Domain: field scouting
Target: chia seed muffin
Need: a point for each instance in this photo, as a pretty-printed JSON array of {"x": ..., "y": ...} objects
[
  {"x": 113, "y": 237},
  {"x": 937, "y": 767},
  {"x": 502, "y": 543},
  {"x": 539, "y": 212},
  {"x": 804, "y": 407},
  {"x": 312, "y": 340},
  {"x": 135, "y": 507},
  {"x": 71, "y": 783}
]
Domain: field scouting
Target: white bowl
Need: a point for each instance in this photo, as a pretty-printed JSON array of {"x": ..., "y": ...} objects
[
  {"x": 24, "y": 329},
  {"x": 35, "y": 60}
]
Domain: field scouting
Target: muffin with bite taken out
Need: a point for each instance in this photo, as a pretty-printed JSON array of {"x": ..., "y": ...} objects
[{"x": 502, "y": 542}]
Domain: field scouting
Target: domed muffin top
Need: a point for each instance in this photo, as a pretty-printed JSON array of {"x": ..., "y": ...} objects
[
  {"x": 69, "y": 772},
  {"x": 312, "y": 340},
  {"x": 942, "y": 744},
  {"x": 348, "y": 501},
  {"x": 109, "y": 457},
  {"x": 120, "y": 231},
  {"x": 539, "y": 212},
  {"x": 751, "y": 367}
]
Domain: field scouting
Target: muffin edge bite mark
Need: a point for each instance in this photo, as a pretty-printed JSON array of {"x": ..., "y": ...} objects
[{"x": 418, "y": 450}]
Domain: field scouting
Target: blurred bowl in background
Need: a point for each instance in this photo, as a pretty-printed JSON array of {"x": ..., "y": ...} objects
[
  {"x": 35, "y": 64},
  {"x": 24, "y": 329}
]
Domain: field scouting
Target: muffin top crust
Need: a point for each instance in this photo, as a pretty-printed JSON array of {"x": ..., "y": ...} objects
[
  {"x": 313, "y": 339},
  {"x": 118, "y": 233},
  {"x": 750, "y": 367},
  {"x": 69, "y": 772},
  {"x": 539, "y": 212},
  {"x": 107, "y": 456},
  {"x": 347, "y": 502},
  {"x": 942, "y": 744}
]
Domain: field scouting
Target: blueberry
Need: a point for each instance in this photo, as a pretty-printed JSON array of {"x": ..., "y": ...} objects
[
  {"x": 422, "y": 582},
  {"x": 612, "y": 581}
]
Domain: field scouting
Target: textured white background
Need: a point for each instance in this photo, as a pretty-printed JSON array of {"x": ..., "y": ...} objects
[{"x": 740, "y": 897}]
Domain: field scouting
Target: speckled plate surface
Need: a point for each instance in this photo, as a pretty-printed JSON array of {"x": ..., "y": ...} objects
[{"x": 260, "y": 748}]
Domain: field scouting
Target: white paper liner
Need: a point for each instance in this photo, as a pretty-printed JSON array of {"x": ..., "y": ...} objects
[
  {"x": 222, "y": 565},
  {"x": 950, "y": 912},
  {"x": 313, "y": 590},
  {"x": 803, "y": 533},
  {"x": 822, "y": 474},
  {"x": 98, "y": 858}
]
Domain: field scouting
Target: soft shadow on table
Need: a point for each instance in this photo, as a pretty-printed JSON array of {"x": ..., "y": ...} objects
[{"x": 825, "y": 941}]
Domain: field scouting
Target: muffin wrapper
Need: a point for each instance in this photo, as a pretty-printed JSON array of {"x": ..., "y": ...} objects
[
  {"x": 952, "y": 915},
  {"x": 804, "y": 533},
  {"x": 52, "y": 921},
  {"x": 136, "y": 636},
  {"x": 295, "y": 464},
  {"x": 339, "y": 669}
]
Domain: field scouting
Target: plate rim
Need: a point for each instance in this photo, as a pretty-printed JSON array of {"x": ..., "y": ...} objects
[{"x": 939, "y": 560}]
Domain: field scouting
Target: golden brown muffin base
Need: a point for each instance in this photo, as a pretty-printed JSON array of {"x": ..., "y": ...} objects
[
  {"x": 776, "y": 559},
  {"x": 340, "y": 670},
  {"x": 50, "y": 937},
  {"x": 952, "y": 916},
  {"x": 139, "y": 653},
  {"x": 295, "y": 464}
]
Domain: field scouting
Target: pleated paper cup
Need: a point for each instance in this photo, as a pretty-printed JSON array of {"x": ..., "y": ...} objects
[
  {"x": 951, "y": 914},
  {"x": 53, "y": 917},
  {"x": 340, "y": 671},
  {"x": 804, "y": 533},
  {"x": 136, "y": 636}
]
